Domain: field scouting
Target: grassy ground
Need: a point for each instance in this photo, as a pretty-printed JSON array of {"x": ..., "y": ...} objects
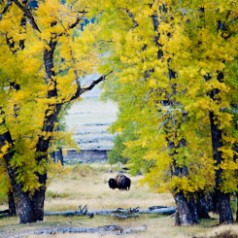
[{"x": 87, "y": 185}]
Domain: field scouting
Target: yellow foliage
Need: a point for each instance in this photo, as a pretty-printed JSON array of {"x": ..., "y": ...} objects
[
  {"x": 32, "y": 87},
  {"x": 182, "y": 60},
  {"x": 4, "y": 148}
]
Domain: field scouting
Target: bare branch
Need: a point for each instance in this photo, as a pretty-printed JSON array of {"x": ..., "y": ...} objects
[
  {"x": 93, "y": 84},
  {"x": 78, "y": 19},
  {"x": 130, "y": 14},
  {"x": 81, "y": 12},
  {"x": 28, "y": 15},
  {"x": 8, "y": 5},
  {"x": 73, "y": 25},
  {"x": 80, "y": 90}
]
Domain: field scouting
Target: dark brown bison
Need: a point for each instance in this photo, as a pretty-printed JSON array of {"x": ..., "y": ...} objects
[{"x": 121, "y": 182}]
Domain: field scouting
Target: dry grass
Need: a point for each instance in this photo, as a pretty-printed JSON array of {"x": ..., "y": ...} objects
[
  {"x": 87, "y": 185},
  {"x": 92, "y": 189}
]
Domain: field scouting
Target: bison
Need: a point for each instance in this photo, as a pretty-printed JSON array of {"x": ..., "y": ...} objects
[{"x": 121, "y": 182}]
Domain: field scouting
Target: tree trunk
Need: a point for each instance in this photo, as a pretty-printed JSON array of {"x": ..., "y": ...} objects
[
  {"x": 24, "y": 208},
  {"x": 58, "y": 156},
  {"x": 224, "y": 207},
  {"x": 186, "y": 213},
  {"x": 38, "y": 199},
  {"x": 222, "y": 199},
  {"x": 237, "y": 207},
  {"x": 11, "y": 204},
  {"x": 211, "y": 202},
  {"x": 202, "y": 207},
  {"x": 21, "y": 199},
  {"x": 51, "y": 113}
]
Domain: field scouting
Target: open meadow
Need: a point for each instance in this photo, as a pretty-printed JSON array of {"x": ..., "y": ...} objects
[{"x": 81, "y": 185}]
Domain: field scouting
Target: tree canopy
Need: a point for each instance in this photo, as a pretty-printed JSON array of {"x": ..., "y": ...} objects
[
  {"x": 175, "y": 79},
  {"x": 44, "y": 56}
]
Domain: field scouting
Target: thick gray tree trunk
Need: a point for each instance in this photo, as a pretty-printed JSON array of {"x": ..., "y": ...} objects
[{"x": 186, "y": 213}]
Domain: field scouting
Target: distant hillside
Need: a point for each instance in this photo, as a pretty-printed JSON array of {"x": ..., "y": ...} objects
[{"x": 89, "y": 120}]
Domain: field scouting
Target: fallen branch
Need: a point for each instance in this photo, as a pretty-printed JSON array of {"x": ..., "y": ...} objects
[
  {"x": 159, "y": 211},
  {"x": 4, "y": 213},
  {"x": 122, "y": 213},
  {"x": 109, "y": 229}
]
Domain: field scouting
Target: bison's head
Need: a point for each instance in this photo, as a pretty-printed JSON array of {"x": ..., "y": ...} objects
[{"x": 112, "y": 183}]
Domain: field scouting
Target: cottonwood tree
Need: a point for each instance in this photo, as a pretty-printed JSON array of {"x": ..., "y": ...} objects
[
  {"x": 44, "y": 56},
  {"x": 174, "y": 79}
]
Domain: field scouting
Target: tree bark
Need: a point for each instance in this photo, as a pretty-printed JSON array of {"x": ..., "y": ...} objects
[
  {"x": 24, "y": 208},
  {"x": 58, "y": 156},
  {"x": 11, "y": 204},
  {"x": 202, "y": 207},
  {"x": 222, "y": 199},
  {"x": 186, "y": 213},
  {"x": 22, "y": 199},
  {"x": 224, "y": 207},
  {"x": 236, "y": 206},
  {"x": 38, "y": 199}
]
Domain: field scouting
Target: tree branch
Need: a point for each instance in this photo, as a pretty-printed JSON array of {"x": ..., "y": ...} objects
[
  {"x": 28, "y": 15},
  {"x": 78, "y": 19},
  {"x": 93, "y": 84},
  {"x": 80, "y": 90},
  {"x": 130, "y": 14},
  {"x": 8, "y": 5}
]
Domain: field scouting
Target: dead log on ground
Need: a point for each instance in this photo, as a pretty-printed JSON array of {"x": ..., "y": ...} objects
[
  {"x": 103, "y": 230},
  {"x": 127, "y": 213},
  {"x": 4, "y": 213}
]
